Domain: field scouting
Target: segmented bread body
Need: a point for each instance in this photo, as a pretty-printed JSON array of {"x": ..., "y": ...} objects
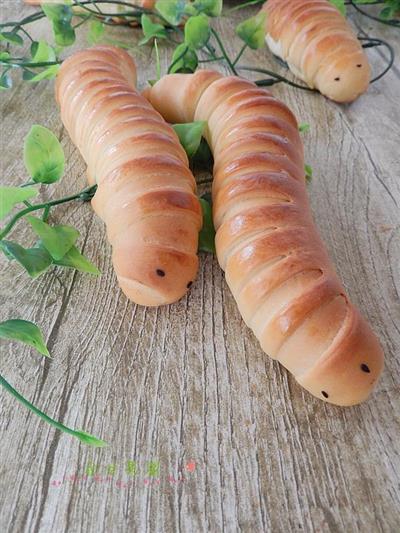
[
  {"x": 274, "y": 260},
  {"x": 146, "y": 192},
  {"x": 319, "y": 46}
]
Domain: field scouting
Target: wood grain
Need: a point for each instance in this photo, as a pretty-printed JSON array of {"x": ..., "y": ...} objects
[{"x": 189, "y": 382}]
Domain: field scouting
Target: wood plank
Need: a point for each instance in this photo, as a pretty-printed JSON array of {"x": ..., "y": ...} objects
[{"x": 189, "y": 382}]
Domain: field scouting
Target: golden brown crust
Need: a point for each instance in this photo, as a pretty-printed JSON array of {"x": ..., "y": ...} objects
[
  {"x": 146, "y": 192},
  {"x": 319, "y": 46},
  {"x": 274, "y": 260}
]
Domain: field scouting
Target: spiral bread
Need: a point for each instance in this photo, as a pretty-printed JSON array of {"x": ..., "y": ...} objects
[
  {"x": 319, "y": 47},
  {"x": 146, "y": 192},
  {"x": 274, "y": 260}
]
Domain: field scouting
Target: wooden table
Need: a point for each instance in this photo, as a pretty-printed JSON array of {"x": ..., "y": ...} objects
[{"x": 186, "y": 389}]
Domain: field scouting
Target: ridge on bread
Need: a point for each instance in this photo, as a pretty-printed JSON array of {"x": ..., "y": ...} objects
[
  {"x": 146, "y": 192},
  {"x": 275, "y": 262}
]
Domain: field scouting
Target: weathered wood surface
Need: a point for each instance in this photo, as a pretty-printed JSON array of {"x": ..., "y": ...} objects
[{"x": 189, "y": 382}]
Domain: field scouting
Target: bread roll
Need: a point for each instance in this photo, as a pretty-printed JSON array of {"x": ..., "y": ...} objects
[
  {"x": 319, "y": 46},
  {"x": 275, "y": 263},
  {"x": 146, "y": 192}
]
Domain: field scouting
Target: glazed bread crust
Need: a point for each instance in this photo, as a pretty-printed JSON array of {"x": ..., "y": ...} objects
[
  {"x": 319, "y": 47},
  {"x": 275, "y": 263},
  {"x": 146, "y": 192}
]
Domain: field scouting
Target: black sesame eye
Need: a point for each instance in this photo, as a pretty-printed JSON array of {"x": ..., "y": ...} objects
[
  {"x": 325, "y": 394},
  {"x": 359, "y": 65},
  {"x": 365, "y": 368},
  {"x": 337, "y": 79},
  {"x": 160, "y": 272},
  {"x": 189, "y": 284}
]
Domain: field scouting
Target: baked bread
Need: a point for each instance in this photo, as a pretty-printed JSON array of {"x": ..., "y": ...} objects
[
  {"x": 319, "y": 46},
  {"x": 146, "y": 192},
  {"x": 274, "y": 260}
]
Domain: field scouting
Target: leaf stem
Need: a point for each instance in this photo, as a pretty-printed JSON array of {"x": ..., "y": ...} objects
[
  {"x": 45, "y": 417},
  {"x": 178, "y": 59},
  {"x": 14, "y": 63},
  {"x": 241, "y": 6},
  {"x": 224, "y": 53},
  {"x": 392, "y": 22},
  {"x": 28, "y": 184},
  {"x": 372, "y": 41},
  {"x": 46, "y": 213},
  {"x": 221, "y": 58},
  {"x": 240, "y": 54},
  {"x": 27, "y": 20},
  {"x": 276, "y": 76},
  {"x": 158, "y": 65},
  {"x": 26, "y": 33},
  {"x": 83, "y": 21},
  {"x": 84, "y": 196}
]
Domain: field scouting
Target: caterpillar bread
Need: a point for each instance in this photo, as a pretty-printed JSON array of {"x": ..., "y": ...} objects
[
  {"x": 319, "y": 47},
  {"x": 146, "y": 192},
  {"x": 274, "y": 260}
]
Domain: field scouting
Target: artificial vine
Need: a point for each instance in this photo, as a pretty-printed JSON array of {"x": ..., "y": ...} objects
[
  {"x": 185, "y": 24},
  {"x": 55, "y": 245}
]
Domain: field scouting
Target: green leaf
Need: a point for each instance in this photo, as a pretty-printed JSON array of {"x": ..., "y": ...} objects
[
  {"x": 197, "y": 31},
  {"x": 24, "y": 331},
  {"x": 60, "y": 16},
  {"x": 11, "y": 37},
  {"x": 89, "y": 439},
  {"x": 340, "y": 5},
  {"x": 207, "y": 233},
  {"x": 11, "y": 196},
  {"x": 171, "y": 10},
  {"x": 64, "y": 34},
  {"x": 27, "y": 74},
  {"x": 41, "y": 52},
  {"x": 183, "y": 59},
  {"x": 96, "y": 31},
  {"x": 391, "y": 10},
  {"x": 5, "y": 80},
  {"x": 309, "y": 172},
  {"x": 304, "y": 127},
  {"x": 212, "y": 8},
  {"x": 57, "y": 240},
  {"x": 35, "y": 260},
  {"x": 203, "y": 158},
  {"x": 34, "y": 47},
  {"x": 190, "y": 10},
  {"x": 151, "y": 30},
  {"x": 43, "y": 155},
  {"x": 47, "y": 74},
  {"x": 4, "y": 55},
  {"x": 252, "y": 31},
  {"x": 74, "y": 259},
  {"x": 190, "y": 135}
]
